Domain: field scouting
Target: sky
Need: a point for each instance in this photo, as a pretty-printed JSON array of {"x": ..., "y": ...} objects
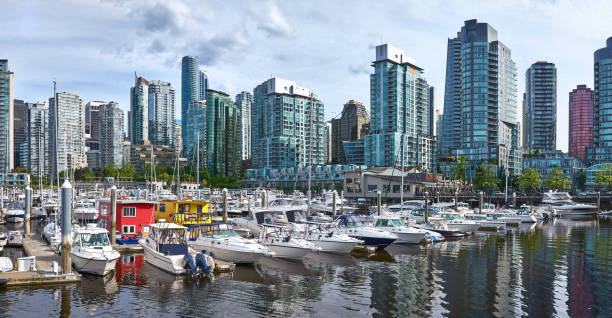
[{"x": 93, "y": 48}]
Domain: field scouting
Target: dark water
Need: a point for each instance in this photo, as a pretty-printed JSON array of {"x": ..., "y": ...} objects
[{"x": 559, "y": 269}]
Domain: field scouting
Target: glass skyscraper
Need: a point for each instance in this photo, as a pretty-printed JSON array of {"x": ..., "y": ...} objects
[
  {"x": 288, "y": 126},
  {"x": 139, "y": 111},
  {"x": 580, "y": 121},
  {"x": 69, "y": 132},
  {"x": 353, "y": 124},
  {"x": 483, "y": 117},
  {"x": 6, "y": 118},
  {"x": 541, "y": 106},
  {"x": 399, "y": 113},
  {"x": 601, "y": 152},
  {"x": 161, "y": 113},
  {"x": 197, "y": 123},
  {"x": 37, "y": 139},
  {"x": 222, "y": 134},
  {"x": 244, "y": 102},
  {"x": 110, "y": 128},
  {"x": 194, "y": 84}
]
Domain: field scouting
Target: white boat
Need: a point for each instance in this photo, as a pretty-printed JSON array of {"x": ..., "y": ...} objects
[
  {"x": 405, "y": 234},
  {"x": 285, "y": 245},
  {"x": 456, "y": 222},
  {"x": 6, "y": 265},
  {"x": 221, "y": 241},
  {"x": 85, "y": 212},
  {"x": 15, "y": 237},
  {"x": 92, "y": 252},
  {"x": 52, "y": 232},
  {"x": 261, "y": 216},
  {"x": 407, "y": 206},
  {"x": 350, "y": 225},
  {"x": 15, "y": 213},
  {"x": 166, "y": 248},
  {"x": 3, "y": 239},
  {"x": 329, "y": 238},
  {"x": 485, "y": 223},
  {"x": 562, "y": 203},
  {"x": 509, "y": 220}
]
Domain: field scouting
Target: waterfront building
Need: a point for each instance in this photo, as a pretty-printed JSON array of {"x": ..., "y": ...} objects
[
  {"x": 37, "y": 139},
  {"x": 591, "y": 175},
  {"x": 244, "y": 103},
  {"x": 161, "y": 113},
  {"x": 547, "y": 160},
  {"x": 67, "y": 139},
  {"x": 451, "y": 126},
  {"x": 14, "y": 179},
  {"x": 328, "y": 141},
  {"x": 321, "y": 177},
  {"x": 601, "y": 151},
  {"x": 399, "y": 113},
  {"x": 194, "y": 84},
  {"x": 7, "y": 162},
  {"x": 93, "y": 160},
  {"x": 126, "y": 151},
  {"x": 288, "y": 126},
  {"x": 524, "y": 130},
  {"x": 580, "y": 121},
  {"x": 365, "y": 183},
  {"x": 20, "y": 126},
  {"x": 351, "y": 125},
  {"x": 196, "y": 123},
  {"x": 222, "y": 134},
  {"x": 483, "y": 121},
  {"x": 140, "y": 155},
  {"x": 132, "y": 218},
  {"x": 432, "y": 114},
  {"x": 110, "y": 127},
  {"x": 439, "y": 125},
  {"x": 541, "y": 106},
  {"x": 354, "y": 152},
  {"x": 139, "y": 111}
]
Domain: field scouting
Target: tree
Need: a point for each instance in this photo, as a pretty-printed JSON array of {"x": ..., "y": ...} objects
[
  {"x": 485, "y": 178},
  {"x": 530, "y": 181},
  {"x": 581, "y": 179},
  {"x": 127, "y": 171},
  {"x": 111, "y": 170},
  {"x": 458, "y": 169},
  {"x": 558, "y": 181},
  {"x": 603, "y": 177}
]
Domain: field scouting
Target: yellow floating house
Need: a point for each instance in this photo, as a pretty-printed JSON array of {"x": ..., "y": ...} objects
[{"x": 184, "y": 212}]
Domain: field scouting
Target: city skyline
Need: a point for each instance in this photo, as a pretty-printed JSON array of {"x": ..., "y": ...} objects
[{"x": 237, "y": 56}]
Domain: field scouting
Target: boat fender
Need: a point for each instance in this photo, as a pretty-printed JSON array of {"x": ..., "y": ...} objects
[
  {"x": 190, "y": 264},
  {"x": 202, "y": 262}
]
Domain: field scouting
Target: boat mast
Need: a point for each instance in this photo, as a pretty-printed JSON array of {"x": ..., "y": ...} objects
[
  {"x": 198, "y": 161},
  {"x": 55, "y": 116}
]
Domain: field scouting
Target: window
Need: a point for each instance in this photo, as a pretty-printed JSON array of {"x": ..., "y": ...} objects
[
  {"x": 129, "y": 211},
  {"x": 104, "y": 210},
  {"x": 162, "y": 207},
  {"x": 199, "y": 208},
  {"x": 129, "y": 229}
]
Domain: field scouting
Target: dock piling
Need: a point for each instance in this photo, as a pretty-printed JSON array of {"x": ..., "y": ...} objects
[
  {"x": 456, "y": 199},
  {"x": 224, "y": 205},
  {"x": 113, "y": 214},
  {"x": 335, "y": 194},
  {"x": 67, "y": 227},
  {"x": 514, "y": 199},
  {"x": 480, "y": 194},
  {"x": 378, "y": 201},
  {"x": 28, "y": 209},
  {"x": 426, "y": 213}
]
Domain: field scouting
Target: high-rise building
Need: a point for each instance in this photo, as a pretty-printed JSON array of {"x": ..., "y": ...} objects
[
  {"x": 524, "y": 130},
  {"x": 399, "y": 113},
  {"x": 328, "y": 141},
  {"x": 67, "y": 138},
  {"x": 139, "y": 111},
  {"x": 244, "y": 102},
  {"x": 91, "y": 119},
  {"x": 451, "y": 126},
  {"x": 110, "y": 127},
  {"x": 484, "y": 115},
  {"x": 601, "y": 151},
  {"x": 222, "y": 134},
  {"x": 20, "y": 126},
  {"x": 439, "y": 125},
  {"x": 196, "y": 116},
  {"x": 432, "y": 107},
  {"x": 580, "y": 121},
  {"x": 178, "y": 137},
  {"x": 38, "y": 139},
  {"x": 288, "y": 126},
  {"x": 7, "y": 162},
  {"x": 541, "y": 104},
  {"x": 161, "y": 113},
  {"x": 351, "y": 125},
  {"x": 194, "y": 84},
  {"x": 435, "y": 119}
]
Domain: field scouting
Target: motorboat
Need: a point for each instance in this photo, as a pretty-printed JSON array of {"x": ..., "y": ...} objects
[
  {"x": 260, "y": 216},
  {"x": 405, "y": 234},
  {"x": 456, "y": 222},
  {"x": 509, "y": 220},
  {"x": 15, "y": 237},
  {"x": 441, "y": 227},
  {"x": 562, "y": 203},
  {"x": 92, "y": 252},
  {"x": 350, "y": 225},
  {"x": 221, "y": 241},
  {"x": 15, "y": 213},
  {"x": 6, "y": 265},
  {"x": 329, "y": 238},
  {"x": 52, "y": 233},
  {"x": 166, "y": 248},
  {"x": 284, "y": 244},
  {"x": 3, "y": 239},
  {"x": 407, "y": 205},
  {"x": 85, "y": 212},
  {"x": 485, "y": 223}
]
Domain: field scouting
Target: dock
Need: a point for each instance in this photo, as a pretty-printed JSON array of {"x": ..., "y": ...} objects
[
  {"x": 128, "y": 248},
  {"x": 34, "y": 245}
]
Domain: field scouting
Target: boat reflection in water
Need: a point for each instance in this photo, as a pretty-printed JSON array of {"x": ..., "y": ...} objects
[{"x": 127, "y": 271}]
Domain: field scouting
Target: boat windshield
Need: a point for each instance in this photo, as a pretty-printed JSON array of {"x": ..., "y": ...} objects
[
  {"x": 350, "y": 221},
  {"x": 98, "y": 239}
]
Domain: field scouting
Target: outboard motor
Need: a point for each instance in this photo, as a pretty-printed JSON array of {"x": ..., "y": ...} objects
[
  {"x": 201, "y": 261},
  {"x": 190, "y": 264}
]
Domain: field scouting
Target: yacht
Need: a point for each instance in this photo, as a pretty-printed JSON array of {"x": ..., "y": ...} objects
[
  {"x": 3, "y": 239},
  {"x": 14, "y": 237},
  {"x": 562, "y": 203},
  {"x": 485, "y": 223},
  {"x": 407, "y": 206},
  {"x": 92, "y": 252},
  {"x": 328, "y": 237},
  {"x": 456, "y": 222},
  {"x": 85, "y": 212},
  {"x": 166, "y": 248},
  {"x": 6, "y": 265},
  {"x": 405, "y": 234},
  {"x": 260, "y": 216},
  {"x": 224, "y": 243},
  {"x": 350, "y": 225},
  {"x": 15, "y": 213},
  {"x": 285, "y": 245},
  {"x": 52, "y": 233}
]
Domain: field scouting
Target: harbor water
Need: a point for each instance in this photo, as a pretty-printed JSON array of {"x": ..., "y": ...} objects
[{"x": 555, "y": 269}]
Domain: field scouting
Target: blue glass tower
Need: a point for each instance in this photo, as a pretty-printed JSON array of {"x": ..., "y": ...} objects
[
  {"x": 541, "y": 107},
  {"x": 6, "y": 118},
  {"x": 601, "y": 152},
  {"x": 194, "y": 83}
]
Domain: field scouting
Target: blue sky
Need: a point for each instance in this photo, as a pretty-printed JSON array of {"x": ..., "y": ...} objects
[{"x": 93, "y": 48}]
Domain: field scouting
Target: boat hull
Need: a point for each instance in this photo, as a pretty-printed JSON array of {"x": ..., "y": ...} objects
[
  {"x": 172, "y": 264},
  {"x": 229, "y": 255},
  {"x": 378, "y": 242},
  {"x": 288, "y": 252},
  {"x": 14, "y": 218},
  {"x": 98, "y": 267},
  {"x": 334, "y": 246},
  {"x": 409, "y": 238},
  {"x": 463, "y": 227}
]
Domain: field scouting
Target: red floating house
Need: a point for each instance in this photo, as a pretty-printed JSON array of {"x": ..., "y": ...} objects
[{"x": 133, "y": 218}]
